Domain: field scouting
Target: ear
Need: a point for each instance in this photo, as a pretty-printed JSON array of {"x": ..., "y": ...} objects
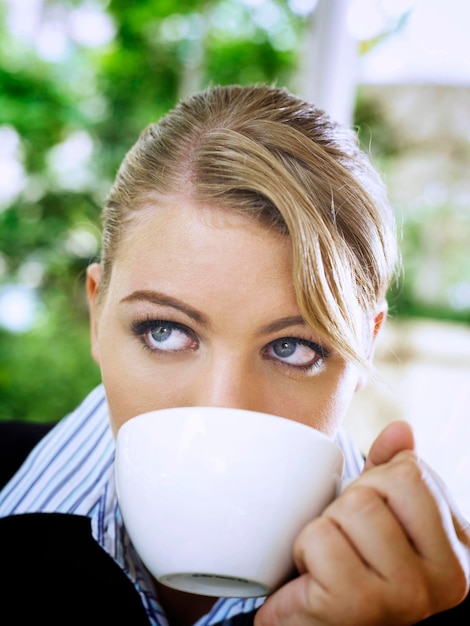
[
  {"x": 378, "y": 323},
  {"x": 372, "y": 334},
  {"x": 93, "y": 278}
]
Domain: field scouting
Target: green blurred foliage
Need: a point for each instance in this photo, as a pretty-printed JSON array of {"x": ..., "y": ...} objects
[
  {"x": 70, "y": 118},
  {"x": 102, "y": 96},
  {"x": 433, "y": 220}
]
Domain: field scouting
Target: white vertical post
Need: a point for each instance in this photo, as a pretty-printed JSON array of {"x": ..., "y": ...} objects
[{"x": 328, "y": 75}]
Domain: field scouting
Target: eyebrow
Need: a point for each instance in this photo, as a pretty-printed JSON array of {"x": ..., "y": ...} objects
[
  {"x": 155, "y": 297},
  {"x": 281, "y": 324}
]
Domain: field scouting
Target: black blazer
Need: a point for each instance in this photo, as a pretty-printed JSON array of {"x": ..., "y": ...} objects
[{"x": 54, "y": 572}]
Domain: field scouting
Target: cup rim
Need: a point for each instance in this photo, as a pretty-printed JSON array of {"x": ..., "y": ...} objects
[{"x": 232, "y": 410}]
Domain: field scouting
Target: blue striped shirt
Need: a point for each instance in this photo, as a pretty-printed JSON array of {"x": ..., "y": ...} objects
[{"x": 71, "y": 470}]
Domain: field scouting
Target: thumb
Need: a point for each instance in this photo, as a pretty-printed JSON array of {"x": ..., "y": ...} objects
[{"x": 395, "y": 437}]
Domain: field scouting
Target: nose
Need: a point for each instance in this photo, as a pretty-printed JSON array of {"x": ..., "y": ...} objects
[{"x": 228, "y": 382}]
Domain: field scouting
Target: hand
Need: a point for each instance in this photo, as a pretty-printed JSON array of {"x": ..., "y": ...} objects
[{"x": 391, "y": 549}]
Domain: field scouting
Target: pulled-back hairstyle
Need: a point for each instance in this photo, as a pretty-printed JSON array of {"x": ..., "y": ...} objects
[{"x": 265, "y": 153}]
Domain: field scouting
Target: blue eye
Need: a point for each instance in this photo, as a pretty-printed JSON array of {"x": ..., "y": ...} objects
[
  {"x": 296, "y": 352},
  {"x": 165, "y": 336},
  {"x": 161, "y": 333},
  {"x": 284, "y": 348}
]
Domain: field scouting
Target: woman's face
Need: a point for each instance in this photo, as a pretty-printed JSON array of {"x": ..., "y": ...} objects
[{"x": 201, "y": 310}]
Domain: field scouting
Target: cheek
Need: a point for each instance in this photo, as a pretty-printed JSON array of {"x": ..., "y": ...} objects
[
  {"x": 132, "y": 387},
  {"x": 324, "y": 407},
  {"x": 341, "y": 398},
  {"x": 132, "y": 390}
]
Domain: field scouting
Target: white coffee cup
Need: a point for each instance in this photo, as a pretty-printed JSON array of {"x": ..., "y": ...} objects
[{"x": 213, "y": 498}]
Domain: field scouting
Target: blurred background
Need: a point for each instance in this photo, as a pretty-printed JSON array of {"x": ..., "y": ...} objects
[{"x": 79, "y": 79}]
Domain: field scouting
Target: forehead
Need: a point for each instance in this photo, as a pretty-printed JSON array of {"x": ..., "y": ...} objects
[
  {"x": 184, "y": 247},
  {"x": 171, "y": 220}
]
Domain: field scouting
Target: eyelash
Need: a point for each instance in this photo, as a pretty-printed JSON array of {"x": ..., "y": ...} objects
[
  {"x": 141, "y": 327},
  {"x": 322, "y": 352}
]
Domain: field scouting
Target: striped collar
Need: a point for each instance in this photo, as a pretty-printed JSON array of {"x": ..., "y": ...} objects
[{"x": 71, "y": 471}]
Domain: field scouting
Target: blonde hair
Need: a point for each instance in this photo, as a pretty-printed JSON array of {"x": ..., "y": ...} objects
[{"x": 264, "y": 152}]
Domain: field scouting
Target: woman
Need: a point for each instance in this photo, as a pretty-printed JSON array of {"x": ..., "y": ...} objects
[{"x": 247, "y": 250}]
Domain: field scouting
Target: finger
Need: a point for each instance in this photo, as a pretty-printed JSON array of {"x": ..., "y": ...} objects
[
  {"x": 398, "y": 436},
  {"x": 395, "y": 437},
  {"x": 461, "y": 524},
  {"x": 411, "y": 494},
  {"x": 287, "y": 607},
  {"x": 372, "y": 528},
  {"x": 324, "y": 550},
  {"x": 410, "y": 491},
  {"x": 333, "y": 570}
]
